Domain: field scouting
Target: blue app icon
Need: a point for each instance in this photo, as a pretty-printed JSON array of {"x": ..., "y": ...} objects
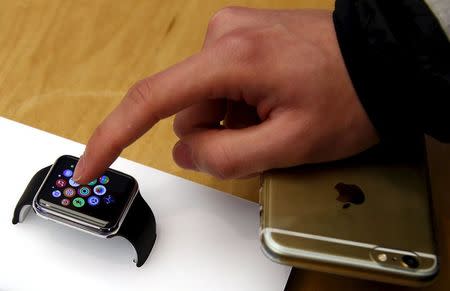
[
  {"x": 93, "y": 200},
  {"x": 104, "y": 179},
  {"x": 109, "y": 199},
  {"x": 68, "y": 173},
  {"x": 56, "y": 193}
]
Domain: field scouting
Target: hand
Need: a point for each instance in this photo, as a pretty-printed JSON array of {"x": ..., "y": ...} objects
[{"x": 269, "y": 89}]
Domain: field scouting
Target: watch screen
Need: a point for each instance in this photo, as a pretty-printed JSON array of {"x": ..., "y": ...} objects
[{"x": 101, "y": 202}]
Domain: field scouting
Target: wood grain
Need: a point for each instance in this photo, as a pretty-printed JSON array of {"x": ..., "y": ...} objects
[{"x": 65, "y": 64}]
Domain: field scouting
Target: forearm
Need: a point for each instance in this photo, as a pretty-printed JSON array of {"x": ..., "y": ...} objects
[{"x": 398, "y": 57}]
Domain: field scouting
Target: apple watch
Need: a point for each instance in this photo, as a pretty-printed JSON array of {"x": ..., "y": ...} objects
[{"x": 108, "y": 206}]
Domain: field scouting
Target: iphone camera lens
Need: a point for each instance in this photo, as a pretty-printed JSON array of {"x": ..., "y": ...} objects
[{"x": 410, "y": 261}]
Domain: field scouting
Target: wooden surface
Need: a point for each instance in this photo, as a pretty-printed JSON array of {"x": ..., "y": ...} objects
[{"x": 65, "y": 64}]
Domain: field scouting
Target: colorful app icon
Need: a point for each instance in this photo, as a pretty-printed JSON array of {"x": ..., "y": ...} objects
[
  {"x": 104, "y": 179},
  {"x": 78, "y": 202},
  {"x": 93, "y": 182},
  {"x": 61, "y": 183},
  {"x": 93, "y": 200},
  {"x": 100, "y": 190},
  {"x": 109, "y": 199},
  {"x": 69, "y": 192},
  {"x": 65, "y": 202},
  {"x": 56, "y": 193},
  {"x": 68, "y": 173},
  {"x": 73, "y": 183},
  {"x": 84, "y": 191}
]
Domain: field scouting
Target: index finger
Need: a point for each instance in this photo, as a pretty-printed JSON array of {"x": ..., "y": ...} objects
[{"x": 199, "y": 77}]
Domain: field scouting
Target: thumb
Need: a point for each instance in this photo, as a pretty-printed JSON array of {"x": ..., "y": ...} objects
[{"x": 234, "y": 153}]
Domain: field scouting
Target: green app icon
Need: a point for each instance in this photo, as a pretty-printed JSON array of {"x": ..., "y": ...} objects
[
  {"x": 78, "y": 202},
  {"x": 92, "y": 183}
]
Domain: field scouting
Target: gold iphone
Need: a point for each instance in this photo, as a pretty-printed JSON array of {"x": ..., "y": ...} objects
[{"x": 369, "y": 217}]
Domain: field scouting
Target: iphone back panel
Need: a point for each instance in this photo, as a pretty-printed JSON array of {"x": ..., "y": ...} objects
[{"x": 368, "y": 217}]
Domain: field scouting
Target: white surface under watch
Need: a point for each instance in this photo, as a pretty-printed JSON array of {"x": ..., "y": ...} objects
[{"x": 207, "y": 240}]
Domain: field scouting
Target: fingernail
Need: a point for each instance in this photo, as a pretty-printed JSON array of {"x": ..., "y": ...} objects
[
  {"x": 182, "y": 154},
  {"x": 79, "y": 169}
]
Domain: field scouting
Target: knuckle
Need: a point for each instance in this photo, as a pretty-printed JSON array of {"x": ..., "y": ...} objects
[
  {"x": 222, "y": 17},
  {"x": 240, "y": 45},
  {"x": 140, "y": 93},
  {"x": 101, "y": 132}
]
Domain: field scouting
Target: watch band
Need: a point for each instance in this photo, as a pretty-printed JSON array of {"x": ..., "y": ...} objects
[
  {"x": 138, "y": 227},
  {"x": 26, "y": 200}
]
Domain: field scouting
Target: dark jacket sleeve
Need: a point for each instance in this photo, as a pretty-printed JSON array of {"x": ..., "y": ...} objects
[{"x": 398, "y": 58}]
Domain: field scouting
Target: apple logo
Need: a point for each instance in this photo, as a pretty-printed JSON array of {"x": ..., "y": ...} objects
[{"x": 349, "y": 194}]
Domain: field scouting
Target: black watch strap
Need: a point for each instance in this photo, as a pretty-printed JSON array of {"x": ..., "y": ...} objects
[
  {"x": 26, "y": 200},
  {"x": 138, "y": 227}
]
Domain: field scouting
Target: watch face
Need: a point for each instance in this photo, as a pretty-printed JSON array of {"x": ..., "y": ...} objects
[{"x": 101, "y": 202}]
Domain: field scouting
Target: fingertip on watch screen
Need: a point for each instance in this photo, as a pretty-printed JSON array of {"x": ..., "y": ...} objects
[{"x": 103, "y": 200}]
